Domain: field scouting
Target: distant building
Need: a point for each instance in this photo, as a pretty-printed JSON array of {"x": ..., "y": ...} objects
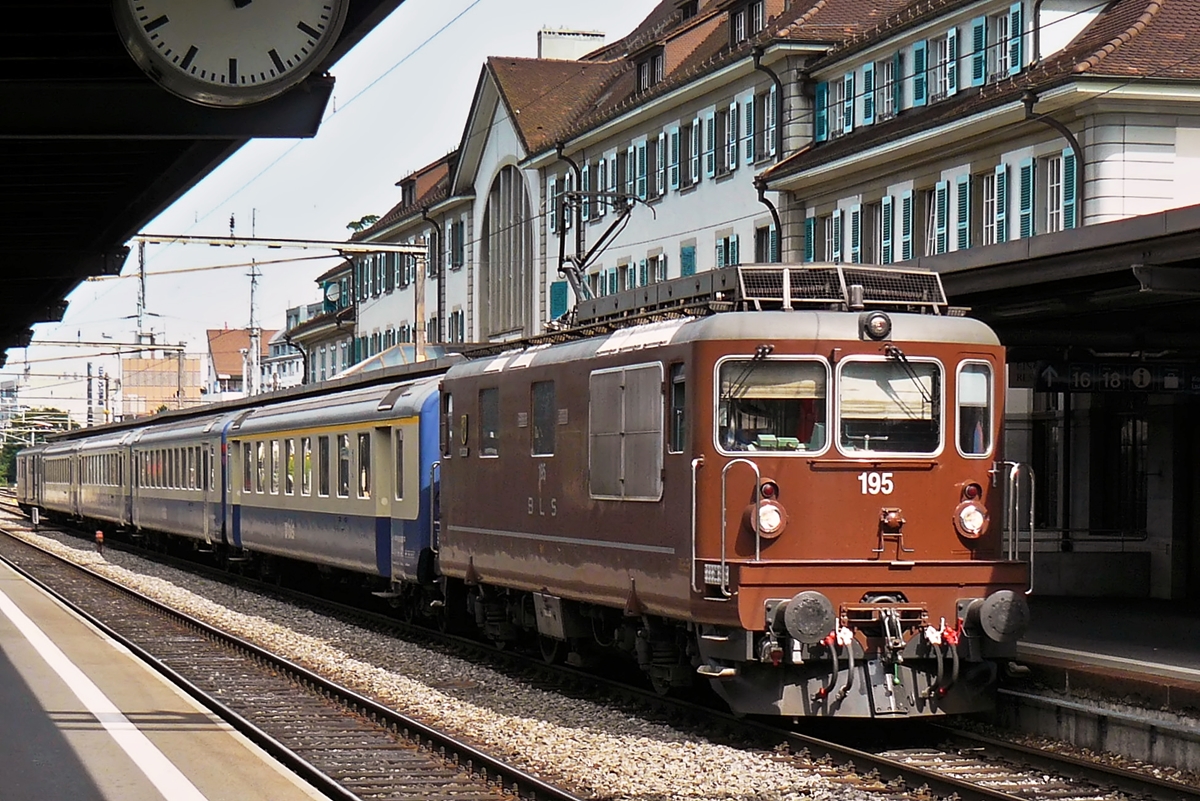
[
  {"x": 227, "y": 362},
  {"x": 326, "y": 338},
  {"x": 148, "y": 384},
  {"x": 284, "y": 364}
]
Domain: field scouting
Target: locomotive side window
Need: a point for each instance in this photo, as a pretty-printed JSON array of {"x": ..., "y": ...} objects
[
  {"x": 323, "y": 467},
  {"x": 677, "y": 425},
  {"x": 364, "y": 465},
  {"x": 975, "y": 408},
  {"x": 544, "y": 418},
  {"x": 343, "y": 449},
  {"x": 772, "y": 405},
  {"x": 890, "y": 406},
  {"x": 489, "y": 422}
]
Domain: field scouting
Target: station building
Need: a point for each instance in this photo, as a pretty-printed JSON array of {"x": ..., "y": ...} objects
[{"x": 1041, "y": 155}]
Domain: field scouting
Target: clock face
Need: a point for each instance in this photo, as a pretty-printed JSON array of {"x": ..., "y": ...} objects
[
  {"x": 333, "y": 292},
  {"x": 229, "y": 52}
]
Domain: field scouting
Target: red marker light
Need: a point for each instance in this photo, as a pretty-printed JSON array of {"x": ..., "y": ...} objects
[
  {"x": 972, "y": 491},
  {"x": 769, "y": 490}
]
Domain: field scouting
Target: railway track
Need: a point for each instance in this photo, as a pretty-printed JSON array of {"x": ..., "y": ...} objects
[
  {"x": 346, "y": 745},
  {"x": 914, "y": 760}
]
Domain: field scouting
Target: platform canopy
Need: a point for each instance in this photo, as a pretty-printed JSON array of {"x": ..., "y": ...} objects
[{"x": 91, "y": 149}]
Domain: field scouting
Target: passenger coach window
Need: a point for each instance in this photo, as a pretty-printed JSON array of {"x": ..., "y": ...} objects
[
  {"x": 544, "y": 418},
  {"x": 343, "y": 446},
  {"x": 305, "y": 466},
  {"x": 677, "y": 425},
  {"x": 289, "y": 466},
  {"x": 273, "y": 468},
  {"x": 975, "y": 408},
  {"x": 247, "y": 467},
  {"x": 364, "y": 465},
  {"x": 890, "y": 407},
  {"x": 259, "y": 467},
  {"x": 772, "y": 405},
  {"x": 323, "y": 466},
  {"x": 489, "y": 422}
]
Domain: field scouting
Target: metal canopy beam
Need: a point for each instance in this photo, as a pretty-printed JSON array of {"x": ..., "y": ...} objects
[
  {"x": 1171, "y": 280},
  {"x": 142, "y": 110}
]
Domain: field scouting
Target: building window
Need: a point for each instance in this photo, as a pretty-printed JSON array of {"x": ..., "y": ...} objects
[
  {"x": 987, "y": 183},
  {"x": 737, "y": 26},
  {"x": 999, "y": 47},
  {"x": 766, "y": 245},
  {"x": 837, "y": 107},
  {"x": 758, "y": 16},
  {"x": 651, "y": 71},
  {"x": 1054, "y": 194},
  {"x": 506, "y": 251},
  {"x": 885, "y": 89}
]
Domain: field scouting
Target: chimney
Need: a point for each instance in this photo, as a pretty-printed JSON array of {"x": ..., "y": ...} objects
[{"x": 567, "y": 45}]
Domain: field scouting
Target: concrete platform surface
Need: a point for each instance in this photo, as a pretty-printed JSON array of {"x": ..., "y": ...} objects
[{"x": 83, "y": 719}]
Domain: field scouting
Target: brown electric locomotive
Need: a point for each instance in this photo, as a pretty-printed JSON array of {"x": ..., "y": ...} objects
[{"x": 786, "y": 480}]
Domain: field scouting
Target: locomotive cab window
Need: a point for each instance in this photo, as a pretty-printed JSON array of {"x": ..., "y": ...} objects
[
  {"x": 677, "y": 423},
  {"x": 975, "y": 408},
  {"x": 772, "y": 405},
  {"x": 892, "y": 406}
]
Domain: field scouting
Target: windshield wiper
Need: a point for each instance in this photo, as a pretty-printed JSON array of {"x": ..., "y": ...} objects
[
  {"x": 894, "y": 353},
  {"x": 739, "y": 385}
]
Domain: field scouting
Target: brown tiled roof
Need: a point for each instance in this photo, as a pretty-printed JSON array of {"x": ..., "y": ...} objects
[
  {"x": 226, "y": 346},
  {"x": 1123, "y": 41},
  {"x": 844, "y": 20},
  {"x": 657, "y": 22},
  {"x": 432, "y": 186},
  {"x": 545, "y": 97},
  {"x": 337, "y": 269}
]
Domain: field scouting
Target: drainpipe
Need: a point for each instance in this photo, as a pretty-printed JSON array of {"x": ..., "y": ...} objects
[
  {"x": 757, "y": 53},
  {"x": 1030, "y": 98},
  {"x": 761, "y": 186},
  {"x": 436, "y": 249},
  {"x": 303, "y": 357}
]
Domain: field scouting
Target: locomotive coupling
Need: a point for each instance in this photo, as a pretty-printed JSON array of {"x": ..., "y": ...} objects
[{"x": 1003, "y": 616}]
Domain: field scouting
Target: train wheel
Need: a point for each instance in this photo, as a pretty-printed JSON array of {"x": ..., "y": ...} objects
[
  {"x": 661, "y": 685},
  {"x": 552, "y": 650}
]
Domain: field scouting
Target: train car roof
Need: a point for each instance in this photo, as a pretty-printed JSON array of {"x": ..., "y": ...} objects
[
  {"x": 733, "y": 326},
  {"x": 379, "y": 402}
]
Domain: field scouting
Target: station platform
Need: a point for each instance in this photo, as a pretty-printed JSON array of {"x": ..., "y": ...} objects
[
  {"x": 84, "y": 719},
  {"x": 1144, "y": 651}
]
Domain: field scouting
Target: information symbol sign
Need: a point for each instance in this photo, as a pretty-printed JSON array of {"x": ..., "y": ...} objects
[{"x": 1141, "y": 378}]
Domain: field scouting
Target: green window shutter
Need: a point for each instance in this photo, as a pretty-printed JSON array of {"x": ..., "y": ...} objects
[
  {"x": 868, "y": 93},
  {"x": 674, "y": 160},
  {"x": 963, "y": 210},
  {"x": 810, "y": 238},
  {"x": 1002, "y": 203},
  {"x": 1069, "y": 188},
  {"x": 643, "y": 273},
  {"x": 552, "y": 192},
  {"x": 720, "y": 253},
  {"x": 920, "y": 76},
  {"x": 748, "y": 106},
  {"x": 697, "y": 141},
  {"x": 835, "y": 220},
  {"x": 1027, "y": 223},
  {"x": 951, "y": 62},
  {"x": 906, "y": 225},
  {"x": 821, "y": 125},
  {"x": 856, "y": 234},
  {"x": 773, "y": 246},
  {"x": 772, "y": 119},
  {"x": 848, "y": 103},
  {"x": 613, "y": 275},
  {"x": 630, "y": 176},
  {"x": 1016, "y": 39},
  {"x": 558, "y": 299},
  {"x": 687, "y": 260},
  {"x": 734, "y": 257},
  {"x": 898, "y": 82},
  {"x": 887, "y": 224},
  {"x": 710, "y": 144},
  {"x": 978, "y": 51},
  {"x": 941, "y": 209},
  {"x": 660, "y": 166}
]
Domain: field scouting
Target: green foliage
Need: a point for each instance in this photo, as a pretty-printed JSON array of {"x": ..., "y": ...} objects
[{"x": 363, "y": 223}]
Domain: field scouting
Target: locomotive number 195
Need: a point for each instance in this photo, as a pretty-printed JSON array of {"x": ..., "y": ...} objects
[{"x": 876, "y": 483}]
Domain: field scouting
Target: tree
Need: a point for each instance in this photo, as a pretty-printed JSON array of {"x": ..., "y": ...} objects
[{"x": 362, "y": 223}]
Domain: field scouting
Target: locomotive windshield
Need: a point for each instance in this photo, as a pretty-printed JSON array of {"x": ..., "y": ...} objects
[
  {"x": 890, "y": 407},
  {"x": 772, "y": 405}
]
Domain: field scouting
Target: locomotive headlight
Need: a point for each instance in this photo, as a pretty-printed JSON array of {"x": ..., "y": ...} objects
[
  {"x": 772, "y": 519},
  {"x": 970, "y": 519},
  {"x": 875, "y": 325}
]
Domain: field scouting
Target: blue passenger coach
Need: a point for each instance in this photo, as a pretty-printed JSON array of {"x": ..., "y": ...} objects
[{"x": 343, "y": 480}]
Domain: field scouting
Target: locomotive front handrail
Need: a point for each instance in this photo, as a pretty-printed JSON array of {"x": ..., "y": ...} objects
[
  {"x": 697, "y": 463},
  {"x": 725, "y": 522},
  {"x": 434, "y": 509},
  {"x": 1012, "y": 531}
]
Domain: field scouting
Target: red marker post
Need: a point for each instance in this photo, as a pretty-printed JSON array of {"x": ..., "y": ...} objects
[{"x": 100, "y": 542}]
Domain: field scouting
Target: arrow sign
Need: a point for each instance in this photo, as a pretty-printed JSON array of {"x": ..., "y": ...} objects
[{"x": 1050, "y": 376}]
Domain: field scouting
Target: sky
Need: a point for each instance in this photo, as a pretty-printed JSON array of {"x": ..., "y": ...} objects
[{"x": 400, "y": 101}]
